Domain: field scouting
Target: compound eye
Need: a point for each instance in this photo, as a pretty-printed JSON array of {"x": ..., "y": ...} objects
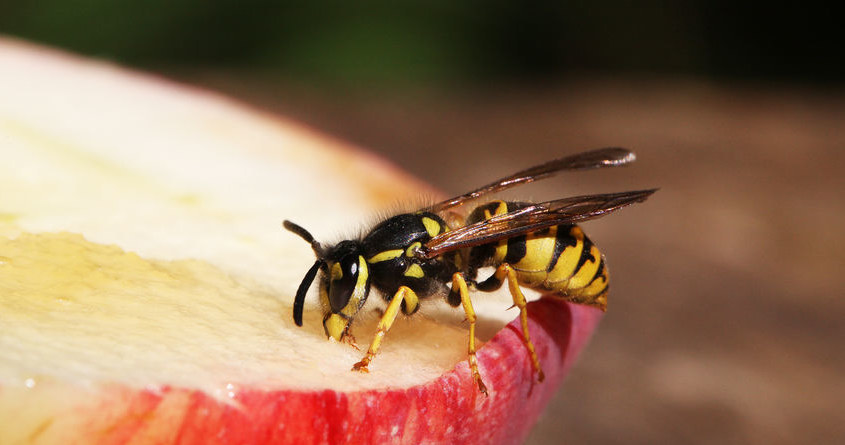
[{"x": 344, "y": 276}]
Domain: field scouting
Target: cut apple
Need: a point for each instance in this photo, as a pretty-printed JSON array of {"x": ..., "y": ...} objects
[{"x": 146, "y": 282}]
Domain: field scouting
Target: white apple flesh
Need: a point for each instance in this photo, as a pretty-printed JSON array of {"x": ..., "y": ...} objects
[{"x": 146, "y": 282}]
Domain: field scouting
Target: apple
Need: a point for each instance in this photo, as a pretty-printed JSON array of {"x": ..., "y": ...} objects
[{"x": 146, "y": 283}]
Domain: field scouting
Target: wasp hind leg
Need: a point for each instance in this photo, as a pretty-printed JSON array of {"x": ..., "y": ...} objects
[
  {"x": 506, "y": 271},
  {"x": 384, "y": 325},
  {"x": 459, "y": 284}
]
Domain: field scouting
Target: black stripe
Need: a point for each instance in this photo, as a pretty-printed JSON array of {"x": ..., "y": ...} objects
[
  {"x": 603, "y": 291},
  {"x": 562, "y": 240},
  {"x": 598, "y": 272},
  {"x": 585, "y": 255},
  {"x": 516, "y": 249}
]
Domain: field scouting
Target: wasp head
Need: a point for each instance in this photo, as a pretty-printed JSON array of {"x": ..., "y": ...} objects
[{"x": 344, "y": 285}]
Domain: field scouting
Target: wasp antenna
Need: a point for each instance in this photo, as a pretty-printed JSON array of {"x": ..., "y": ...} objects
[
  {"x": 299, "y": 230},
  {"x": 306, "y": 235},
  {"x": 299, "y": 302}
]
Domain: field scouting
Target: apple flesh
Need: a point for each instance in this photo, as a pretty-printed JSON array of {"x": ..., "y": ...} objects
[{"x": 146, "y": 283}]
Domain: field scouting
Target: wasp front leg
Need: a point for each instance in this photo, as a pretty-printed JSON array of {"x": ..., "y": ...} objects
[
  {"x": 384, "y": 325},
  {"x": 494, "y": 282},
  {"x": 459, "y": 285}
]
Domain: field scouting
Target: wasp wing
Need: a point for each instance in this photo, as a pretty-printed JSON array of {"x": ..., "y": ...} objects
[
  {"x": 603, "y": 157},
  {"x": 532, "y": 218}
]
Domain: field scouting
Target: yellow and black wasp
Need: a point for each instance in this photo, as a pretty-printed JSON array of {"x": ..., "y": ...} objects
[{"x": 417, "y": 255}]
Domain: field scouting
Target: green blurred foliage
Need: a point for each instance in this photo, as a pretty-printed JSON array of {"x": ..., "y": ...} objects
[{"x": 445, "y": 41}]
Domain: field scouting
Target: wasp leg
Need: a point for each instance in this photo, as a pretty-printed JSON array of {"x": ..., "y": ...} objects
[
  {"x": 460, "y": 284},
  {"x": 384, "y": 325},
  {"x": 494, "y": 282}
]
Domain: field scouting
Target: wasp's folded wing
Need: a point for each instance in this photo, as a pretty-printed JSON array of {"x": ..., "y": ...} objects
[
  {"x": 603, "y": 157},
  {"x": 528, "y": 219}
]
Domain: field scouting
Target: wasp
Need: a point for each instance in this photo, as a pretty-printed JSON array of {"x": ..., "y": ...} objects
[{"x": 411, "y": 256}]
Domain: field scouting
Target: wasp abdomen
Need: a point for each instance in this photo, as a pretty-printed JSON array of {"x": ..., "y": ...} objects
[{"x": 559, "y": 259}]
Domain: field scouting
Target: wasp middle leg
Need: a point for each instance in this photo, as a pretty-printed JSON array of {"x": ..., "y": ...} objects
[
  {"x": 459, "y": 285},
  {"x": 495, "y": 281},
  {"x": 384, "y": 325}
]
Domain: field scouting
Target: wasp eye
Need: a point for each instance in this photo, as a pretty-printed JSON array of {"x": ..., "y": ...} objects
[{"x": 344, "y": 277}]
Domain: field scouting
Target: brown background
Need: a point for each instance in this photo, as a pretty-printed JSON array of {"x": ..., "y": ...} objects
[{"x": 726, "y": 317}]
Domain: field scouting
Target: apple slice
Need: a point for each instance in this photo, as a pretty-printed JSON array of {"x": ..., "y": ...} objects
[{"x": 146, "y": 282}]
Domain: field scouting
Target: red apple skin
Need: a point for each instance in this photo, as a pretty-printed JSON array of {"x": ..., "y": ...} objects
[{"x": 448, "y": 410}]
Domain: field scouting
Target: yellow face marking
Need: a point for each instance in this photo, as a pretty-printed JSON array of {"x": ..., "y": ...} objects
[
  {"x": 431, "y": 226},
  {"x": 335, "y": 326},
  {"x": 363, "y": 273},
  {"x": 409, "y": 252},
  {"x": 337, "y": 272},
  {"x": 385, "y": 256},
  {"x": 360, "y": 290},
  {"x": 415, "y": 271}
]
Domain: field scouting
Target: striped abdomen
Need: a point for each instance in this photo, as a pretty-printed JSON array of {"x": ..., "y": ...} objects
[{"x": 559, "y": 259}]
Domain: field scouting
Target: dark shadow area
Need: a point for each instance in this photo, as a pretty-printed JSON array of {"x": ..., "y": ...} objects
[{"x": 440, "y": 43}]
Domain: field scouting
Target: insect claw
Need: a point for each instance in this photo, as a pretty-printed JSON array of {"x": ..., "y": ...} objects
[
  {"x": 361, "y": 366},
  {"x": 349, "y": 339},
  {"x": 482, "y": 388}
]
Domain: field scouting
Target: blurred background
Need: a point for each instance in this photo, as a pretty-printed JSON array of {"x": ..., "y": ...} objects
[{"x": 726, "y": 318}]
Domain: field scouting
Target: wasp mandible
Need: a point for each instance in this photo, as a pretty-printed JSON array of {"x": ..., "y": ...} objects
[{"x": 419, "y": 255}]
